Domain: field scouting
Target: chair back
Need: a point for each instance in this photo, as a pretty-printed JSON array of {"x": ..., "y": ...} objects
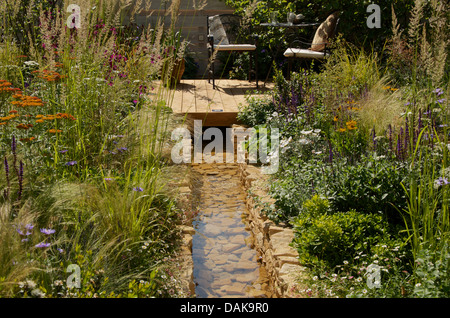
[{"x": 226, "y": 28}]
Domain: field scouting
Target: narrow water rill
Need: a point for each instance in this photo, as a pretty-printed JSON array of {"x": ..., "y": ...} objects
[{"x": 225, "y": 265}]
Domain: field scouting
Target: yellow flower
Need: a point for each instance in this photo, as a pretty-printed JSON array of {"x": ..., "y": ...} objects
[
  {"x": 335, "y": 118},
  {"x": 342, "y": 129},
  {"x": 351, "y": 125}
]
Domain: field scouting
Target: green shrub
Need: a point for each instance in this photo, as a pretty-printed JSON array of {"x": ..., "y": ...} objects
[
  {"x": 371, "y": 186},
  {"x": 256, "y": 112},
  {"x": 331, "y": 239},
  {"x": 295, "y": 183}
]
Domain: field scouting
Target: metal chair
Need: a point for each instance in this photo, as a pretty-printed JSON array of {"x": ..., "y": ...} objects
[
  {"x": 226, "y": 33},
  {"x": 319, "y": 48}
]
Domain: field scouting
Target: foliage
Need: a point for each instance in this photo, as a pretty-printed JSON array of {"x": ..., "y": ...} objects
[
  {"x": 332, "y": 238},
  {"x": 369, "y": 133},
  {"x": 82, "y": 176},
  {"x": 256, "y": 111},
  {"x": 433, "y": 273},
  {"x": 372, "y": 186}
]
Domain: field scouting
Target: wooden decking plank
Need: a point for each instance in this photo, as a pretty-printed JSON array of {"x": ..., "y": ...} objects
[
  {"x": 228, "y": 100},
  {"x": 233, "y": 90},
  {"x": 187, "y": 88},
  {"x": 203, "y": 99}
]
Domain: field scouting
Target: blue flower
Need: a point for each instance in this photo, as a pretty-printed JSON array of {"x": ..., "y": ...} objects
[
  {"x": 438, "y": 91},
  {"x": 138, "y": 189},
  {"x": 71, "y": 163},
  {"x": 43, "y": 245},
  {"x": 22, "y": 233},
  {"x": 47, "y": 231},
  {"x": 63, "y": 151},
  {"x": 441, "y": 182}
]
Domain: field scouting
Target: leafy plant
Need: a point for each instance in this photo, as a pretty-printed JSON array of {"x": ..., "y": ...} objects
[
  {"x": 330, "y": 239},
  {"x": 371, "y": 186}
]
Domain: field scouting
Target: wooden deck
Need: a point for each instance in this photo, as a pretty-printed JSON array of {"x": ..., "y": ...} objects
[{"x": 216, "y": 107}]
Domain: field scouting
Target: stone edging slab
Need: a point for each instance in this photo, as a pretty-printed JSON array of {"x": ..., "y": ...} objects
[{"x": 272, "y": 242}]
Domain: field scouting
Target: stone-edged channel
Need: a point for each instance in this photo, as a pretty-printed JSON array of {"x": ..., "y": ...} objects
[{"x": 225, "y": 265}]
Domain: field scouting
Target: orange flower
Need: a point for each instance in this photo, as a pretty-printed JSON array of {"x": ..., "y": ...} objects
[
  {"x": 28, "y": 139},
  {"x": 13, "y": 112},
  {"x": 50, "y": 76},
  {"x": 1, "y": 124},
  {"x": 39, "y": 121},
  {"x": 27, "y": 101},
  {"x": 66, "y": 116},
  {"x": 5, "y": 87},
  {"x": 23, "y": 126},
  {"x": 12, "y": 116},
  {"x": 54, "y": 131}
]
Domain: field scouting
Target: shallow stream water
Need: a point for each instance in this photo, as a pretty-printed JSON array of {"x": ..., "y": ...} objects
[{"x": 225, "y": 265}]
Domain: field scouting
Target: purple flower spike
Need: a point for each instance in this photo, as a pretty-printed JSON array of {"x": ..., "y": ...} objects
[
  {"x": 13, "y": 145},
  {"x": 47, "y": 231},
  {"x": 71, "y": 163}
]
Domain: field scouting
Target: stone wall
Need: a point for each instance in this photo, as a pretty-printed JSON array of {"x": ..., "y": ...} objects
[{"x": 271, "y": 241}]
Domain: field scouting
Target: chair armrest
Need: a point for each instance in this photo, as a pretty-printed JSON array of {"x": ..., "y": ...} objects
[{"x": 300, "y": 44}]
